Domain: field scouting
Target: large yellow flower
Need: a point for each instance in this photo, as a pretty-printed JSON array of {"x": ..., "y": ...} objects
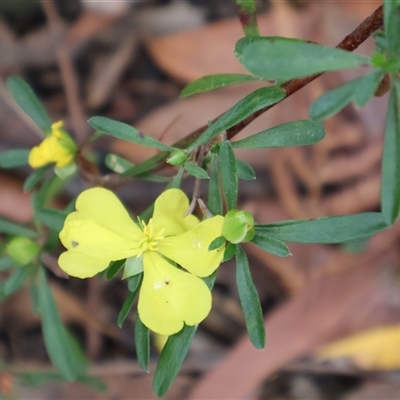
[
  {"x": 57, "y": 148},
  {"x": 101, "y": 231}
]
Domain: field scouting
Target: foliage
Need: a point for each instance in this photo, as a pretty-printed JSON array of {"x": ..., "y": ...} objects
[{"x": 184, "y": 251}]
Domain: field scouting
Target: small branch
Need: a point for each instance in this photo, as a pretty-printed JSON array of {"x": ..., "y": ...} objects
[{"x": 350, "y": 43}]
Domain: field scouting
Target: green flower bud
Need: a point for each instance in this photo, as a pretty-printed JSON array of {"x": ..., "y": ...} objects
[
  {"x": 22, "y": 250},
  {"x": 177, "y": 157},
  {"x": 238, "y": 226}
]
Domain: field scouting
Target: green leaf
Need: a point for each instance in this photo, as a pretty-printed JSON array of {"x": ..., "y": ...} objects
[
  {"x": 126, "y": 308},
  {"x": 255, "y": 101},
  {"x": 271, "y": 245},
  {"x": 359, "y": 90},
  {"x": 133, "y": 266},
  {"x": 390, "y": 186},
  {"x": 142, "y": 344},
  {"x": 120, "y": 165},
  {"x": 249, "y": 300},
  {"x": 14, "y": 158},
  {"x": 244, "y": 171},
  {"x": 134, "y": 283},
  {"x": 216, "y": 243},
  {"x": 175, "y": 183},
  {"x": 16, "y": 280},
  {"x": 29, "y": 103},
  {"x": 114, "y": 268},
  {"x": 35, "y": 177},
  {"x": 50, "y": 217},
  {"x": 248, "y": 17},
  {"x": 196, "y": 171},
  {"x": 211, "y": 82},
  {"x": 11, "y": 228},
  {"x": 63, "y": 352},
  {"x": 229, "y": 179},
  {"x": 126, "y": 132},
  {"x": 328, "y": 230},
  {"x": 214, "y": 202},
  {"x": 297, "y": 133},
  {"x": 6, "y": 263},
  {"x": 229, "y": 252},
  {"x": 171, "y": 359},
  {"x": 392, "y": 25},
  {"x": 282, "y": 59}
]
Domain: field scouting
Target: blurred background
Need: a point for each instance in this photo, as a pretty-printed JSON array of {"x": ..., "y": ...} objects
[{"x": 129, "y": 61}]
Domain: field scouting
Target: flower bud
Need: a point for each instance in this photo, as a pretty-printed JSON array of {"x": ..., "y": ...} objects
[
  {"x": 22, "y": 250},
  {"x": 238, "y": 226},
  {"x": 177, "y": 157}
]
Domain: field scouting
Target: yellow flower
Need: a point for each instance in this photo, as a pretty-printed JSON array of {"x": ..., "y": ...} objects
[
  {"x": 57, "y": 148},
  {"x": 101, "y": 231}
]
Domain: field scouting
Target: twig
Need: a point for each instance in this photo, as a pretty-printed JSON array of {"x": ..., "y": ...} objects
[{"x": 350, "y": 43}]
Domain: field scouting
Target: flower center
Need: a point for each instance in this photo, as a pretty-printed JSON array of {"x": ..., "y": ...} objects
[{"x": 150, "y": 238}]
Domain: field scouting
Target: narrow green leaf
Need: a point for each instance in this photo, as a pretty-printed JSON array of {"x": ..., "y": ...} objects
[
  {"x": 29, "y": 103},
  {"x": 297, "y": 133},
  {"x": 282, "y": 59},
  {"x": 114, "y": 268},
  {"x": 6, "y": 263},
  {"x": 248, "y": 17},
  {"x": 16, "y": 280},
  {"x": 11, "y": 228},
  {"x": 62, "y": 351},
  {"x": 271, "y": 245},
  {"x": 338, "y": 229},
  {"x": 255, "y": 101},
  {"x": 390, "y": 187},
  {"x": 359, "y": 90},
  {"x": 134, "y": 283},
  {"x": 196, "y": 171},
  {"x": 229, "y": 252},
  {"x": 171, "y": 359},
  {"x": 50, "y": 217},
  {"x": 211, "y": 82},
  {"x": 142, "y": 344},
  {"x": 367, "y": 88},
  {"x": 214, "y": 202},
  {"x": 216, "y": 243},
  {"x": 35, "y": 177},
  {"x": 175, "y": 183},
  {"x": 244, "y": 171},
  {"x": 126, "y": 308},
  {"x": 14, "y": 158},
  {"x": 120, "y": 165},
  {"x": 249, "y": 300},
  {"x": 229, "y": 179},
  {"x": 392, "y": 25},
  {"x": 126, "y": 132}
]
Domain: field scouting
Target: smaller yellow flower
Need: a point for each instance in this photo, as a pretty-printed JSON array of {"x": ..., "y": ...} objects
[{"x": 57, "y": 148}]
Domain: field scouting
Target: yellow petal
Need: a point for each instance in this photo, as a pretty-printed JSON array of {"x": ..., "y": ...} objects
[
  {"x": 190, "y": 249},
  {"x": 170, "y": 211},
  {"x": 170, "y": 298},
  {"x": 50, "y": 151},
  {"x": 81, "y": 265},
  {"x": 90, "y": 247},
  {"x": 103, "y": 207}
]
